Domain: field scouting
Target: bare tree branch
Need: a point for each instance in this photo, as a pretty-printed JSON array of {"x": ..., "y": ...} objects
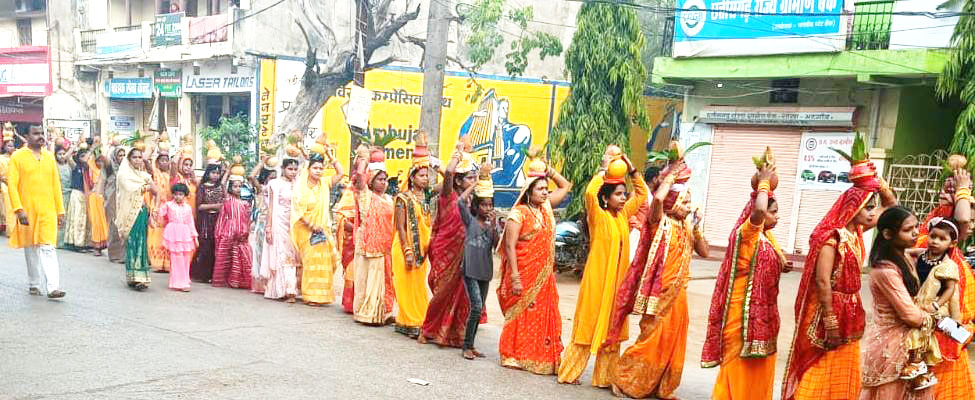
[
  {"x": 383, "y": 63},
  {"x": 384, "y": 33}
]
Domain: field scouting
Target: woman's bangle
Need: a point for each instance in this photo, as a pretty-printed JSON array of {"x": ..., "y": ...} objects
[{"x": 765, "y": 186}]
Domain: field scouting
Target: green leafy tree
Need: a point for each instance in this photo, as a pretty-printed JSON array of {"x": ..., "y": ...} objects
[
  {"x": 605, "y": 63},
  {"x": 483, "y": 21},
  {"x": 235, "y": 137},
  {"x": 958, "y": 77}
]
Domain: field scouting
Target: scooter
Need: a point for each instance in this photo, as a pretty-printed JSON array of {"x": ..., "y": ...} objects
[{"x": 571, "y": 247}]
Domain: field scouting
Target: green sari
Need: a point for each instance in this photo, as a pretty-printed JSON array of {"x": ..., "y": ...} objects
[{"x": 136, "y": 252}]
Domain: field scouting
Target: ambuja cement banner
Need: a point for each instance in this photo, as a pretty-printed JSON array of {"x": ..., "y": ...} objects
[{"x": 755, "y": 27}]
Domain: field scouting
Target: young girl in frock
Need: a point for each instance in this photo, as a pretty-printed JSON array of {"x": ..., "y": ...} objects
[
  {"x": 179, "y": 236},
  {"x": 938, "y": 276}
]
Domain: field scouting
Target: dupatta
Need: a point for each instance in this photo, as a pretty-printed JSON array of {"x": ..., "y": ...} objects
[
  {"x": 809, "y": 325},
  {"x": 760, "y": 323},
  {"x": 128, "y": 198}
]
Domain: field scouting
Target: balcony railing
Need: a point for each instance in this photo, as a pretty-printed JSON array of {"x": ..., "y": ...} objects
[
  {"x": 871, "y": 25},
  {"x": 88, "y": 40}
]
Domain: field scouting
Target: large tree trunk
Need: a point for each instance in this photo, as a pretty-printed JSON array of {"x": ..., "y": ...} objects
[
  {"x": 310, "y": 100},
  {"x": 320, "y": 82}
]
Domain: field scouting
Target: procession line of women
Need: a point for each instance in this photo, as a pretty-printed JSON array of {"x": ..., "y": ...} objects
[{"x": 274, "y": 235}]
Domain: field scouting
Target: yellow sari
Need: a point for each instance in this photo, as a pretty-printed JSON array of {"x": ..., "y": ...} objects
[
  {"x": 318, "y": 261},
  {"x": 605, "y": 270},
  {"x": 410, "y": 282}
]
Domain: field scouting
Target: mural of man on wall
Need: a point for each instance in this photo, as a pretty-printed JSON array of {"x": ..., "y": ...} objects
[{"x": 495, "y": 138}]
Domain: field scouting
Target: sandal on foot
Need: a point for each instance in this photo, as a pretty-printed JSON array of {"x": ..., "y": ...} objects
[
  {"x": 34, "y": 291},
  {"x": 468, "y": 354},
  {"x": 57, "y": 294}
]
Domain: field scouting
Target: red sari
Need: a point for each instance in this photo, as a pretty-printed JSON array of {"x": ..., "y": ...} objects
[
  {"x": 954, "y": 373},
  {"x": 836, "y": 370},
  {"x": 446, "y": 318},
  {"x": 233, "y": 257},
  {"x": 531, "y": 337}
]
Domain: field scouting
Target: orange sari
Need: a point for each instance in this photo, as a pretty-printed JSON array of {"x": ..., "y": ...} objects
[
  {"x": 654, "y": 364},
  {"x": 97, "y": 221},
  {"x": 158, "y": 255},
  {"x": 531, "y": 337}
]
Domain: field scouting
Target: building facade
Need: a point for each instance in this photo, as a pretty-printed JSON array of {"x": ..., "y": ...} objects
[
  {"x": 25, "y": 62},
  {"x": 801, "y": 77}
]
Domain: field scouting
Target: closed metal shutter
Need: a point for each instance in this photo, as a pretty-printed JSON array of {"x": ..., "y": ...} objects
[
  {"x": 813, "y": 205},
  {"x": 731, "y": 171},
  {"x": 172, "y": 112},
  {"x": 146, "y": 115}
]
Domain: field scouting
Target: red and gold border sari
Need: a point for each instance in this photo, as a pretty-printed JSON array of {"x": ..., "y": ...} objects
[{"x": 532, "y": 336}]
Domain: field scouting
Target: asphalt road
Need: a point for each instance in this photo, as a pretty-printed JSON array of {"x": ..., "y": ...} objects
[{"x": 107, "y": 341}]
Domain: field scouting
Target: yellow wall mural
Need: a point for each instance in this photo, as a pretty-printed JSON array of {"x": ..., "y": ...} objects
[{"x": 510, "y": 116}]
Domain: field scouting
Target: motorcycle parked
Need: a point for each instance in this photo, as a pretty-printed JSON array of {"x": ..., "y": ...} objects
[{"x": 571, "y": 247}]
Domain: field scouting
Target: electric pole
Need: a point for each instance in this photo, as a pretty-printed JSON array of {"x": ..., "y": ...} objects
[{"x": 434, "y": 62}]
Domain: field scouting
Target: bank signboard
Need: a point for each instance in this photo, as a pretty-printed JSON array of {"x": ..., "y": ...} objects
[{"x": 707, "y": 28}]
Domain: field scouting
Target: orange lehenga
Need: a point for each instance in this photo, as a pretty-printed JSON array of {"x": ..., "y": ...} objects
[
  {"x": 158, "y": 255},
  {"x": 813, "y": 372},
  {"x": 532, "y": 335},
  {"x": 655, "y": 288},
  {"x": 743, "y": 322},
  {"x": 954, "y": 373},
  {"x": 97, "y": 220}
]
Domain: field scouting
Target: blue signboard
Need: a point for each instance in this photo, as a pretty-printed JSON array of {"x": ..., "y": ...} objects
[
  {"x": 129, "y": 88},
  {"x": 755, "y": 27}
]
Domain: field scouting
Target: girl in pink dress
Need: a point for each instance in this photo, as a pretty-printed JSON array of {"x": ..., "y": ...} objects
[{"x": 179, "y": 236}]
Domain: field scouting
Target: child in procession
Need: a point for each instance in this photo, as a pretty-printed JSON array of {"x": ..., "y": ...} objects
[
  {"x": 179, "y": 236},
  {"x": 480, "y": 219}
]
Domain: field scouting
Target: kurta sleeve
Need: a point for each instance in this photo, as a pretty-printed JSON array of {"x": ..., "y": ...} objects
[
  {"x": 56, "y": 183},
  {"x": 890, "y": 284},
  {"x": 639, "y": 197},
  {"x": 164, "y": 213},
  {"x": 13, "y": 185},
  {"x": 592, "y": 192}
]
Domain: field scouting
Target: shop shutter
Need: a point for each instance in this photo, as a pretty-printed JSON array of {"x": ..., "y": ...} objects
[
  {"x": 172, "y": 113},
  {"x": 146, "y": 115},
  {"x": 813, "y": 205},
  {"x": 731, "y": 171}
]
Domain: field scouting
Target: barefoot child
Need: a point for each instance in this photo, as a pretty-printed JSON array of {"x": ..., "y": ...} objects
[
  {"x": 482, "y": 237},
  {"x": 179, "y": 236},
  {"x": 938, "y": 275}
]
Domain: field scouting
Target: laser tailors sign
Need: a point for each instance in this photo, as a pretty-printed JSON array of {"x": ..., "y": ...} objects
[{"x": 707, "y": 28}]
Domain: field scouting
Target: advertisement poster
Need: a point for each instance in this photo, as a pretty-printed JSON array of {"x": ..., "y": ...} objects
[
  {"x": 167, "y": 31},
  {"x": 821, "y": 168},
  {"x": 169, "y": 83},
  {"x": 708, "y": 28},
  {"x": 510, "y": 117}
]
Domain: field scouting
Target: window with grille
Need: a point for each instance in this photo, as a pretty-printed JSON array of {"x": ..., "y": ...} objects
[
  {"x": 24, "y": 32},
  {"x": 871, "y": 25}
]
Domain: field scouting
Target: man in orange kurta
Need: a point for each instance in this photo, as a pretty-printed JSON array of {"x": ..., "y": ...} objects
[{"x": 35, "y": 198}]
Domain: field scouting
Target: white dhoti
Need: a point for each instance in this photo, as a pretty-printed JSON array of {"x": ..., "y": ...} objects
[{"x": 43, "y": 261}]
